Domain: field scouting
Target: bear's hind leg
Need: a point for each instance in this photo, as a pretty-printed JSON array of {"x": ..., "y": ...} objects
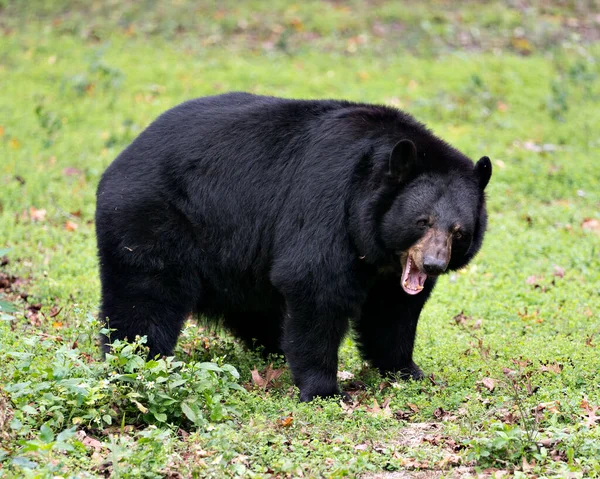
[
  {"x": 144, "y": 305},
  {"x": 257, "y": 329}
]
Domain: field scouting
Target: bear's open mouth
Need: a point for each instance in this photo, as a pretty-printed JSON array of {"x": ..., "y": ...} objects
[{"x": 413, "y": 279}]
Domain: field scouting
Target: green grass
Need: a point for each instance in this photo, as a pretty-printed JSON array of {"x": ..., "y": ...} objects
[{"x": 79, "y": 80}]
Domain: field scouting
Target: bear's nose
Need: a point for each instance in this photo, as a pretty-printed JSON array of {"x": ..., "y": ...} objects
[{"x": 433, "y": 265}]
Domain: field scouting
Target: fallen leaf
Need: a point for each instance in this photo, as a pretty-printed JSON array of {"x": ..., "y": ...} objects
[
  {"x": 531, "y": 390},
  {"x": 589, "y": 339},
  {"x": 37, "y": 215},
  {"x": 510, "y": 418},
  {"x": 559, "y": 272},
  {"x": 286, "y": 421},
  {"x": 349, "y": 407},
  {"x": 383, "y": 385},
  {"x": 461, "y": 318},
  {"x": 376, "y": 408},
  {"x": 345, "y": 375},
  {"x": 439, "y": 413},
  {"x": 526, "y": 315},
  {"x": 387, "y": 412},
  {"x": 88, "y": 441},
  {"x": 551, "y": 406},
  {"x": 32, "y": 314},
  {"x": 257, "y": 379},
  {"x": 70, "y": 171},
  {"x": 361, "y": 447},
  {"x": 522, "y": 363},
  {"x": 271, "y": 375},
  {"x": 501, "y": 106},
  {"x": 591, "y": 416},
  {"x": 527, "y": 466},
  {"x": 394, "y": 101},
  {"x": 558, "y": 455},
  {"x": 71, "y": 226},
  {"x": 267, "y": 378},
  {"x": 435, "y": 439},
  {"x": 403, "y": 415},
  {"x": 555, "y": 368},
  {"x": 488, "y": 383},
  {"x": 143, "y": 409},
  {"x": 548, "y": 442},
  {"x": 297, "y": 24},
  {"x": 591, "y": 224},
  {"x": 449, "y": 460},
  {"x": 530, "y": 146}
]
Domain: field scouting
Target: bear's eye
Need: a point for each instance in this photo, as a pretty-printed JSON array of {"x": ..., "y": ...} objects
[
  {"x": 459, "y": 235},
  {"x": 423, "y": 222}
]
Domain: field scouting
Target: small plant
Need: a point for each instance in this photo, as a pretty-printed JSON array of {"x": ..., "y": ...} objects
[
  {"x": 48, "y": 121},
  {"x": 111, "y": 78},
  {"x": 505, "y": 442},
  {"x": 166, "y": 390},
  {"x": 580, "y": 74},
  {"x": 142, "y": 455},
  {"x": 126, "y": 389},
  {"x": 99, "y": 74},
  {"x": 502, "y": 443},
  {"x": 557, "y": 102},
  {"x": 43, "y": 452}
]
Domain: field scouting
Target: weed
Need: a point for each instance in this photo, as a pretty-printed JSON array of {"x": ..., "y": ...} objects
[
  {"x": 557, "y": 103},
  {"x": 125, "y": 389},
  {"x": 48, "y": 121}
]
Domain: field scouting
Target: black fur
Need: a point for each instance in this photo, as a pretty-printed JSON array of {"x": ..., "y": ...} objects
[{"x": 286, "y": 219}]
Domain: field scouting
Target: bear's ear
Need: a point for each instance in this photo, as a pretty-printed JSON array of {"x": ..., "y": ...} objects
[
  {"x": 483, "y": 171},
  {"x": 403, "y": 159}
]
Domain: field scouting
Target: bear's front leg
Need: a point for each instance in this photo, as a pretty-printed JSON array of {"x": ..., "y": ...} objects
[
  {"x": 387, "y": 327},
  {"x": 312, "y": 332}
]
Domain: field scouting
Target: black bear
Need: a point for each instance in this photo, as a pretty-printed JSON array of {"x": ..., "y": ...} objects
[{"x": 290, "y": 220}]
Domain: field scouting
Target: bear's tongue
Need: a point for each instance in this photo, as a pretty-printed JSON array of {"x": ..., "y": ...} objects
[{"x": 412, "y": 279}]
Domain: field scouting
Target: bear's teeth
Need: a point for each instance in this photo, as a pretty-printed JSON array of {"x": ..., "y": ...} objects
[{"x": 418, "y": 288}]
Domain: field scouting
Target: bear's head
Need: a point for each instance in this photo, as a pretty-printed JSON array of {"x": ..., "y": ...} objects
[{"x": 436, "y": 221}]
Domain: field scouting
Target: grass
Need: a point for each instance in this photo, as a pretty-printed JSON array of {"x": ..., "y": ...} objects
[{"x": 511, "y": 342}]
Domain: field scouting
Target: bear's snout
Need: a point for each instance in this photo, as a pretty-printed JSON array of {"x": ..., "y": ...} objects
[
  {"x": 432, "y": 252},
  {"x": 434, "y": 266}
]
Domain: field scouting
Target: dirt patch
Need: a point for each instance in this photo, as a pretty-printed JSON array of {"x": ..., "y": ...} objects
[
  {"x": 457, "y": 473},
  {"x": 420, "y": 435},
  {"x": 415, "y": 433},
  {"x": 10, "y": 285}
]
